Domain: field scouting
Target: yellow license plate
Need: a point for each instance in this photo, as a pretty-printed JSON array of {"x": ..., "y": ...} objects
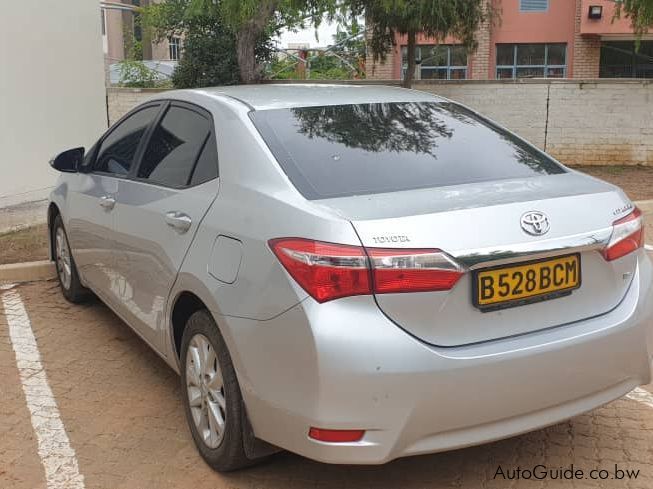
[{"x": 528, "y": 282}]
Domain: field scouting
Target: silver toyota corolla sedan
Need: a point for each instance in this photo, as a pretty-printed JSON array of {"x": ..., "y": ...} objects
[{"x": 353, "y": 273}]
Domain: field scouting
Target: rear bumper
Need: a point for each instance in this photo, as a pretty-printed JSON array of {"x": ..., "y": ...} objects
[{"x": 343, "y": 365}]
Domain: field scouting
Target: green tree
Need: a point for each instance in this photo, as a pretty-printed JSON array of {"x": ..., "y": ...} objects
[
  {"x": 209, "y": 45},
  {"x": 349, "y": 43},
  {"x": 252, "y": 20},
  {"x": 434, "y": 18},
  {"x": 133, "y": 71},
  {"x": 640, "y": 12}
]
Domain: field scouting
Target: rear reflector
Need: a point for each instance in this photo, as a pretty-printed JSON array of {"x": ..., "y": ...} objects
[
  {"x": 329, "y": 271},
  {"x": 627, "y": 236},
  {"x": 336, "y": 436}
]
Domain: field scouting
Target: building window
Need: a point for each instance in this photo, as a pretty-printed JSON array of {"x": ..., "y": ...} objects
[
  {"x": 533, "y": 5},
  {"x": 103, "y": 21},
  {"x": 620, "y": 59},
  {"x": 531, "y": 61},
  {"x": 442, "y": 62},
  {"x": 174, "y": 45}
]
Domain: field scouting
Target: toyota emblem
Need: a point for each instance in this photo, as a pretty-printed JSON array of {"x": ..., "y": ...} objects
[{"x": 535, "y": 223}]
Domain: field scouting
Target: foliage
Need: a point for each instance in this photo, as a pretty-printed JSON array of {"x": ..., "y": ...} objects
[
  {"x": 322, "y": 67},
  {"x": 209, "y": 59},
  {"x": 349, "y": 38},
  {"x": 391, "y": 127},
  {"x": 209, "y": 46},
  {"x": 253, "y": 20},
  {"x": 435, "y": 18},
  {"x": 640, "y": 12},
  {"x": 345, "y": 60},
  {"x": 135, "y": 74}
]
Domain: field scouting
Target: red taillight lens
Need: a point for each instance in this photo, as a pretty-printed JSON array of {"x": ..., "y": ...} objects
[
  {"x": 329, "y": 271},
  {"x": 627, "y": 236},
  {"x": 399, "y": 270},
  {"x": 326, "y": 271},
  {"x": 336, "y": 436}
]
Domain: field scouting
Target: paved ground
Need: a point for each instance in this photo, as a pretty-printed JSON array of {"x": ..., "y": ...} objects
[{"x": 120, "y": 407}]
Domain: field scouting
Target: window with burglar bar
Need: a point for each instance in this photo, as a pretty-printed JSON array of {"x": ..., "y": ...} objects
[
  {"x": 442, "y": 61},
  {"x": 531, "y": 61},
  {"x": 174, "y": 45}
]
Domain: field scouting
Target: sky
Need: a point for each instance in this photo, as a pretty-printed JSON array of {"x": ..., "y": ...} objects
[{"x": 325, "y": 33}]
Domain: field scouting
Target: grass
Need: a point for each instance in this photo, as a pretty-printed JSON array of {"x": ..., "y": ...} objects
[{"x": 29, "y": 244}]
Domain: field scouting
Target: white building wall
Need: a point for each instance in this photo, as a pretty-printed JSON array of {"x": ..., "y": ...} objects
[{"x": 52, "y": 94}]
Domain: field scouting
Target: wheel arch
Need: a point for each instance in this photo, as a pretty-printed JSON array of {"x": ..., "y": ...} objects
[{"x": 185, "y": 305}]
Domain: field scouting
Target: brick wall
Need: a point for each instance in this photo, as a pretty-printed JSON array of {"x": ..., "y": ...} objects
[
  {"x": 480, "y": 58},
  {"x": 600, "y": 123},
  {"x": 593, "y": 122},
  {"x": 122, "y": 100},
  {"x": 381, "y": 70},
  {"x": 587, "y": 49},
  {"x": 521, "y": 107},
  {"x": 583, "y": 122}
]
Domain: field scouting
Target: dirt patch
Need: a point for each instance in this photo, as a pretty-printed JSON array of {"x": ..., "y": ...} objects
[
  {"x": 636, "y": 181},
  {"x": 30, "y": 244}
]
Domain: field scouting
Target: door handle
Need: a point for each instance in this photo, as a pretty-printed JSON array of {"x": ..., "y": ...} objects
[
  {"x": 108, "y": 202},
  {"x": 179, "y": 221}
]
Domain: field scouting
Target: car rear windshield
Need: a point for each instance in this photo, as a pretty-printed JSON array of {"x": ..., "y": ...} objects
[{"x": 344, "y": 150}]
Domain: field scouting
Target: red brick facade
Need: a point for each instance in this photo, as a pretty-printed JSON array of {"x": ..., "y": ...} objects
[
  {"x": 479, "y": 63},
  {"x": 565, "y": 21},
  {"x": 587, "y": 49}
]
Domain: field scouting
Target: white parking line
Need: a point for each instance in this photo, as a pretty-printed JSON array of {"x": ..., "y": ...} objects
[
  {"x": 641, "y": 395},
  {"x": 57, "y": 456}
]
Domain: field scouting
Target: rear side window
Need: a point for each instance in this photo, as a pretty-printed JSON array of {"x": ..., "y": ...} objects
[
  {"x": 117, "y": 152},
  {"x": 175, "y": 147},
  {"x": 207, "y": 164},
  {"x": 345, "y": 150}
]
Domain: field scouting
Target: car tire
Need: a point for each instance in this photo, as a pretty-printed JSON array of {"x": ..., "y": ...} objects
[
  {"x": 223, "y": 451},
  {"x": 71, "y": 286}
]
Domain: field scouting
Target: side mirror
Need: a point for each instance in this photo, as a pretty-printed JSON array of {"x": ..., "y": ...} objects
[{"x": 68, "y": 161}]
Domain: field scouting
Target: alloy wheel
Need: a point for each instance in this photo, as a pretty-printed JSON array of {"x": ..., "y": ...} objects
[
  {"x": 205, "y": 390},
  {"x": 63, "y": 259}
]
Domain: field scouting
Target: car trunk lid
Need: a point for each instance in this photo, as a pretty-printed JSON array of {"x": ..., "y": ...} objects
[{"x": 478, "y": 225}]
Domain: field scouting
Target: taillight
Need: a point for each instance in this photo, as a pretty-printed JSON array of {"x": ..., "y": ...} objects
[
  {"x": 329, "y": 271},
  {"x": 627, "y": 236},
  {"x": 405, "y": 270},
  {"x": 326, "y": 271}
]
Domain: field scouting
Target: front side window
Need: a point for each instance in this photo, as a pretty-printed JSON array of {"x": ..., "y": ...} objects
[
  {"x": 443, "y": 62},
  {"x": 346, "y": 150},
  {"x": 531, "y": 60},
  {"x": 174, "y": 148},
  {"x": 117, "y": 151}
]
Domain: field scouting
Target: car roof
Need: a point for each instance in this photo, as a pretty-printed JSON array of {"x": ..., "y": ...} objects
[{"x": 277, "y": 96}]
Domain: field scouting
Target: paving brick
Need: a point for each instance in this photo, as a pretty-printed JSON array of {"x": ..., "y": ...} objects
[{"x": 121, "y": 407}]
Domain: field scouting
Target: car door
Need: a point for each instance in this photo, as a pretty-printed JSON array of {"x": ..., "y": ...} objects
[
  {"x": 91, "y": 197},
  {"x": 159, "y": 209}
]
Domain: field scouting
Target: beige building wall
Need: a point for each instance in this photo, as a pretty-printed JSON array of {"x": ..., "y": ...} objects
[
  {"x": 49, "y": 101},
  {"x": 114, "y": 43},
  {"x": 116, "y": 22}
]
